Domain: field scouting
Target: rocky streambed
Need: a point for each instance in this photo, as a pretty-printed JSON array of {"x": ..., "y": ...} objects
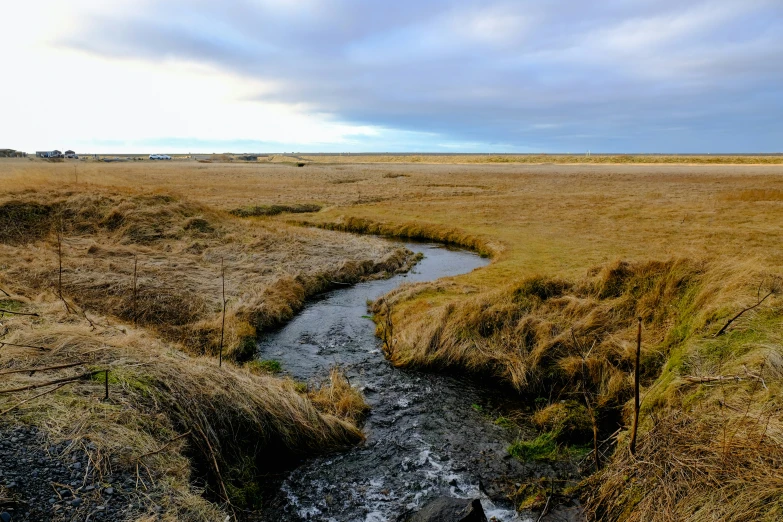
[{"x": 428, "y": 435}]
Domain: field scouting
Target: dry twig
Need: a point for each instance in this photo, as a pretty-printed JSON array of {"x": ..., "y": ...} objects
[
  {"x": 12, "y": 408},
  {"x": 57, "y": 381},
  {"x": 165, "y": 445},
  {"x": 42, "y": 369}
]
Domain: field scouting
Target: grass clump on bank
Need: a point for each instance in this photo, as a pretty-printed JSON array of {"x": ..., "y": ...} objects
[
  {"x": 274, "y": 210},
  {"x": 267, "y": 366},
  {"x": 337, "y": 397}
]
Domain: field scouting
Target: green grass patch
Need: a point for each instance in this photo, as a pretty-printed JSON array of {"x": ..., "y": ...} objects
[
  {"x": 266, "y": 366},
  {"x": 543, "y": 447}
]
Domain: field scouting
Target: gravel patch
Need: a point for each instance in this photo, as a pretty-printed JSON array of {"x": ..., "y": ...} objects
[{"x": 41, "y": 483}]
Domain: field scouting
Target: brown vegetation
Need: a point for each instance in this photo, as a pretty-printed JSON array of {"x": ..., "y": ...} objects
[
  {"x": 227, "y": 417},
  {"x": 555, "y": 314},
  {"x": 176, "y": 249}
]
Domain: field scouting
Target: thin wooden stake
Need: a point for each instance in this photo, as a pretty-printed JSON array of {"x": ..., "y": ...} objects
[
  {"x": 60, "y": 263},
  {"x": 106, "y": 384},
  {"x": 223, "y": 326},
  {"x": 635, "y": 426},
  {"x": 135, "y": 279},
  {"x": 60, "y": 260}
]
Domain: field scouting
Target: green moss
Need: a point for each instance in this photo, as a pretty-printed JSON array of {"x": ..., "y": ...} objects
[
  {"x": 504, "y": 422},
  {"x": 10, "y": 305},
  {"x": 531, "y": 495},
  {"x": 121, "y": 377},
  {"x": 242, "y": 485},
  {"x": 543, "y": 447},
  {"x": 246, "y": 349}
]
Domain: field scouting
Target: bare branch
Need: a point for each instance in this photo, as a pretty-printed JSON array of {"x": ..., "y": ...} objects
[
  {"x": 175, "y": 439},
  {"x": 723, "y": 378},
  {"x": 3, "y": 310},
  {"x": 42, "y": 348},
  {"x": 12, "y": 408},
  {"x": 725, "y": 326},
  {"x": 57, "y": 381},
  {"x": 43, "y": 369}
]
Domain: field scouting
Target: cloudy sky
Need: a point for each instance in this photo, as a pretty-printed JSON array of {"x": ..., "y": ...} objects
[{"x": 403, "y": 75}]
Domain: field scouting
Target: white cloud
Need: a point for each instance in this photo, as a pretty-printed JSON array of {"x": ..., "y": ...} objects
[{"x": 62, "y": 98}]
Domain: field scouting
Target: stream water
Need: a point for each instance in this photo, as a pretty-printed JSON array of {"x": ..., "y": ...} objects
[{"x": 428, "y": 435}]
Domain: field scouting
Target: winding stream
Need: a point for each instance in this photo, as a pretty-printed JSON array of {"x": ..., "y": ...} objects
[{"x": 427, "y": 435}]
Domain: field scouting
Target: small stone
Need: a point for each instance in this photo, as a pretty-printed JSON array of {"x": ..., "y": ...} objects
[
  {"x": 77, "y": 465},
  {"x": 89, "y": 488},
  {"x": 100, "y": 508},
  {"x": 76, "y": 502},
  {"x": 5, "y": 516},
  {"x": 109, "y": 491}
]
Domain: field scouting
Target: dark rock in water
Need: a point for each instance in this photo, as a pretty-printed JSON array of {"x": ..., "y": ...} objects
[{"x": 447, "y": 509}]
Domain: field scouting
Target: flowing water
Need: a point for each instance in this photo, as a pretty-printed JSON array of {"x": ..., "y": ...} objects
[{"x": 428, "y": 435}]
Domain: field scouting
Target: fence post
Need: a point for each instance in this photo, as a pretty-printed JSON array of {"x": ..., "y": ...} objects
[
  {"x": 223, "y": 325},
  {"x": 635, "y": 426}
]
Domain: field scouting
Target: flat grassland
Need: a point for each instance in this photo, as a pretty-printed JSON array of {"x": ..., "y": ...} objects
[{"x": 579, "y": 253}]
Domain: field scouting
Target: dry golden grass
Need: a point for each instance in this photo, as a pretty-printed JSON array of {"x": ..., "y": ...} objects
[
  {"x": 176, "y": 249},
  {"x": 611, "y": 159},
  {"x": 696, "y": 240}
]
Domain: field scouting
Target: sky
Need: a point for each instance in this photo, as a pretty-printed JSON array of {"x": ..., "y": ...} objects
[{"x": 501, "y": 76}]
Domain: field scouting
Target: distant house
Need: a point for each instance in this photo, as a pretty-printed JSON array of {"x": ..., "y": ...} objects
[
  {"x": 48, "y": 154},
  {"x": 69, "y": 153},
  {"x": 11, "y": 153}
]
